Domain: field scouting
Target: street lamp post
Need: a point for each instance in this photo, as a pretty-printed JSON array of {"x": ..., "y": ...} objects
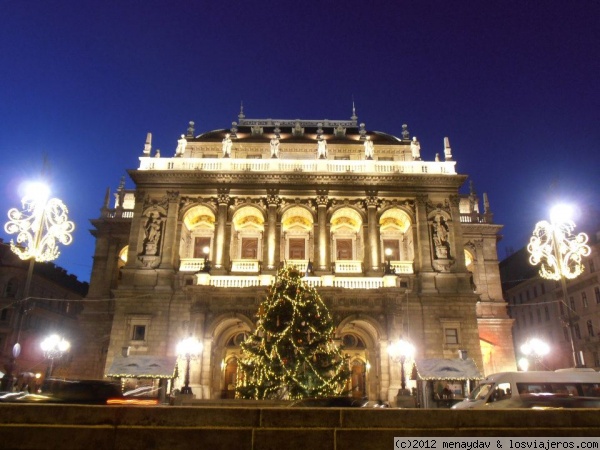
[
  {"x": 40, "y": 226},
  {"x": 188, "y": 349},
  {"x": 536, "y": 349},
  {"x": 54, "y": 347},
  {"x": 559, "y": 253},
  {"x": 400, "y": 351}
]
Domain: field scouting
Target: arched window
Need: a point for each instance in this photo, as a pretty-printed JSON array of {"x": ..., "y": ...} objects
[
  {"x": 246, "y": 240},
  {"x": 397, "y": 247},
  {"x": 196, "y": 237},
  {"x": 347, "y": 245},
  {"x": 296, "y": 226}
]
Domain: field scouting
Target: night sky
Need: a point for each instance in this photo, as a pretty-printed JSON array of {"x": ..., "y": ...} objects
[{"x": 513, "y": 84}]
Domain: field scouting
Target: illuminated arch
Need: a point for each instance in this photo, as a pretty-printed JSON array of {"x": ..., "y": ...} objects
[
  {"x": 346, "y": 219},
  {"x": 395, "y": 219},
  {"x": 199, "y": 216},
  {"x": 297, "y": 217},
  {"x": 248, "y": 217}
]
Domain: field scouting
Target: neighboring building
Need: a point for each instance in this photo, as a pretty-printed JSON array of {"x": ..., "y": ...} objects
[
  {"x": 540, "y": 310},
  {"x": 327, "y": 196},
  {"x": 53, "y": 306}
]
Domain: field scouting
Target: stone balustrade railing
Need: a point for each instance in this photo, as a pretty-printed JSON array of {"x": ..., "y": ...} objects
[{"x": 283, "y": 165}]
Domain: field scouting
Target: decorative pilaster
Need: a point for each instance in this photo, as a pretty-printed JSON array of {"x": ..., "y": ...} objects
[
  {"x": 272, "y": 237},
  {"x": 423, "y": 243},
  {"x": 221, "y": 259},
  {"x": 372, "y": 243},
  {"x": 170, "y": 229},
  {"x": 323, "y": 257},
  {"x": 456, "y": 233}
]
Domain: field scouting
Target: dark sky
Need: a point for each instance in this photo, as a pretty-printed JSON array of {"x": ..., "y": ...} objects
[{"x": 513, "y": 84}]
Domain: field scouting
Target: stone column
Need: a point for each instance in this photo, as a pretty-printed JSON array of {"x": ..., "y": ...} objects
[
  {"x": 323, "y": 262},
  {"x": 272, "y": 243},
  {"x": 372, "y": 244},
  {"x": 221, "y": 259}
]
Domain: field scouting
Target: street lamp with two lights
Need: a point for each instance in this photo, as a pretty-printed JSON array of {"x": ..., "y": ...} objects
[
  {"x": 40, "y": 226},
  {"x": 560, "y": 252},
  {"x": 54, "y": 347}
]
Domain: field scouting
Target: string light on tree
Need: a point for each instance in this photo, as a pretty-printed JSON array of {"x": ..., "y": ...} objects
[{"x": 291, "y": 353}]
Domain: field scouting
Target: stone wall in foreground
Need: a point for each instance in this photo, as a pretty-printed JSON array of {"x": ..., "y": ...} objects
[{"x": 174, "y": 428}]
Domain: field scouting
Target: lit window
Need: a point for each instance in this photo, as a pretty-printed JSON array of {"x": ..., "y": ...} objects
[{"x": 584, "y": 299}]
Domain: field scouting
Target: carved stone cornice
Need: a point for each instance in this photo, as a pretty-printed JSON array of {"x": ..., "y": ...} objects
[{"x": 295, "y": 180}]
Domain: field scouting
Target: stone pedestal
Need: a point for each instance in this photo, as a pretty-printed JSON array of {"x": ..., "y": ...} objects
[{"x": 405, "y": 400}]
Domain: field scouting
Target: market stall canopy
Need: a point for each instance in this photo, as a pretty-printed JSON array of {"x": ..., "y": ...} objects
[
  {"x": 447, "y": 369},
  {"x": 143, "y": 366}
]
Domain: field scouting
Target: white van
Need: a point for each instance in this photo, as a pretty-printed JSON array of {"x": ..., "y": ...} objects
[{"x": 575, "y": 388}]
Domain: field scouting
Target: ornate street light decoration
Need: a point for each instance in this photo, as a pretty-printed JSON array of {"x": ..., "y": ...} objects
[
  {"x": 40, "y": 226},
  {"x": 559, "y": 252}
]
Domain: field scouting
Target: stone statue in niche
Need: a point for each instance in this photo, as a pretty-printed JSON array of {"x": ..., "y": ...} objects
[
  {"x": 369, "y": 148},
  {"x": 227, "y": 146},
  {"x": 440, "y": 237},
  {"x": 153, "y": 229},
  {"x": 275, "y": 147}
]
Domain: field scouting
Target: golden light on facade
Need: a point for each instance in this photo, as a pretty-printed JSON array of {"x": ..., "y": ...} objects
[
  {"x": 558, "y": 251},
  {"x": 40, "y": 226}
]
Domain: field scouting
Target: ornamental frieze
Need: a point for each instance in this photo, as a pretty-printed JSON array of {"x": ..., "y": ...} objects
[{"x": 298, "y": 178}]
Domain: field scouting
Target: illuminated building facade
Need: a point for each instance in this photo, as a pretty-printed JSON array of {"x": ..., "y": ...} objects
[{"x": 384, "y": 235}]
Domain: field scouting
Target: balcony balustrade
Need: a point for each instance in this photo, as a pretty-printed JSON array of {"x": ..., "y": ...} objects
[{"x": 294, "y": 165}]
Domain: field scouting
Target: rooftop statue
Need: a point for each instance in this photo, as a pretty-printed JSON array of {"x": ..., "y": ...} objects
[
  {"x": 275, "y": 147},
  {"x": 181, "y": 143},
  {"x": 322, "y": 148},
  {"x": 227, "y": 146},
  {"x": 415, "y": 148},
  {"x": 369, "y": 149}
]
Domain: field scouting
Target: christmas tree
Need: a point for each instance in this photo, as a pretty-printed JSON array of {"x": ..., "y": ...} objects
[{"x": 291, "y": 353}]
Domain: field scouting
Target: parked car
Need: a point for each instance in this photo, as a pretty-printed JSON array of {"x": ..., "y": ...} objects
[
  {"x": 54, "y": 390},
  {"x": 543, "y": 389}
]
